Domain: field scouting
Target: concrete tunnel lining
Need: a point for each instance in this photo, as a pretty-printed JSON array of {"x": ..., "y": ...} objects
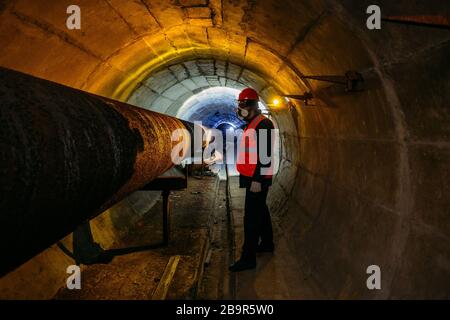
[{"x": 355, "y": 164}]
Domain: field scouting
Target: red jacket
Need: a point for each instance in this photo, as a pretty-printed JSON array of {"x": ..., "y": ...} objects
[{"x": 248, "y": 160}]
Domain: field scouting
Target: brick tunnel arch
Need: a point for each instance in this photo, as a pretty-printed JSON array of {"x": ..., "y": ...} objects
[{"x": 363, "y": 175}]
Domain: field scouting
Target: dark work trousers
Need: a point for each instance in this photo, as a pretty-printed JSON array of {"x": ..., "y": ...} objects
[{"x": 257, "y": 223}]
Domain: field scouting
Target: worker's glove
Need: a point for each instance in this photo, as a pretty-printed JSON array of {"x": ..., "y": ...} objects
[{"x": 255, "y": 187}]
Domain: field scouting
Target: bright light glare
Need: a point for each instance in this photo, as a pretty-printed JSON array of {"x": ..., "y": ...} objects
[{"x": 276, "y": 102}]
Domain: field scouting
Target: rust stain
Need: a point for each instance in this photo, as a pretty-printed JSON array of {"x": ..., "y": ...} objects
[{"x": 66, "y": 156}]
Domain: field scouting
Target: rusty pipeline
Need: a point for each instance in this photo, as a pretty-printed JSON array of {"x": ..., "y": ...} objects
[{"x": 66, "y": 156}]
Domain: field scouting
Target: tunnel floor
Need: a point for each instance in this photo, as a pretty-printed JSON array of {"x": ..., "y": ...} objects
[
  {"x": 137, "y": 275},
  {"x": 277, "y": 275},
  {"x": 206, "y": 233}
]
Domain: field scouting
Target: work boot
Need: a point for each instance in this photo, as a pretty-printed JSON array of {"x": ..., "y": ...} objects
[
  {"x": 242, "y": 265},
  {"x": 262, "y": 248}
]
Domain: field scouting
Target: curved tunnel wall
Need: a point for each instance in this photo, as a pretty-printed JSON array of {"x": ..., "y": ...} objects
[
  {"x": 364, "y": 176},
  {"x": 212, "y": 107}
]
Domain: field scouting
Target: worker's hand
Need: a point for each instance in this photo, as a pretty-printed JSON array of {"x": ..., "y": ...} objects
[{"x": 255, "y": 187}]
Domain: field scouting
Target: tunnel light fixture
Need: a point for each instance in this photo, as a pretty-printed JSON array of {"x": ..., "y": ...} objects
[
  {"x": 279, "y": 101},
  {"x": 276, "y": 102}
]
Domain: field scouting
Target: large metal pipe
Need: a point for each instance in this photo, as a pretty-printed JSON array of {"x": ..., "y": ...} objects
[{"x": 66, "y": 156}]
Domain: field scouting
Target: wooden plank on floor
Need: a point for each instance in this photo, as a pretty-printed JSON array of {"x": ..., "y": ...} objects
[{"x": 166, "y": 279}]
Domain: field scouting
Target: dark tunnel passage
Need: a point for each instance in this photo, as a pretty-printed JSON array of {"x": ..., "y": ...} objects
[{"x": 363, "y": 174}]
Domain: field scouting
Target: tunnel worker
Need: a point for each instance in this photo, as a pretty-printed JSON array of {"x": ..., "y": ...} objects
[{"x": 256, "y": 177}]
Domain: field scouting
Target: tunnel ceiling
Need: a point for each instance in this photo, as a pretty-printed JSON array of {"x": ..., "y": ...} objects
[
  {"x": 152, "y": 35},
  {"x": 166, "y": 90},
  {"x": 149, "y": 35},
  {"x": 212, "y": 107},
  {"x": 152, "y": 39}
]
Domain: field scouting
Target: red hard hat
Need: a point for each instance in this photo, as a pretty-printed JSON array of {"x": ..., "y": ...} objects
[{"x": 248, "y": 94}]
